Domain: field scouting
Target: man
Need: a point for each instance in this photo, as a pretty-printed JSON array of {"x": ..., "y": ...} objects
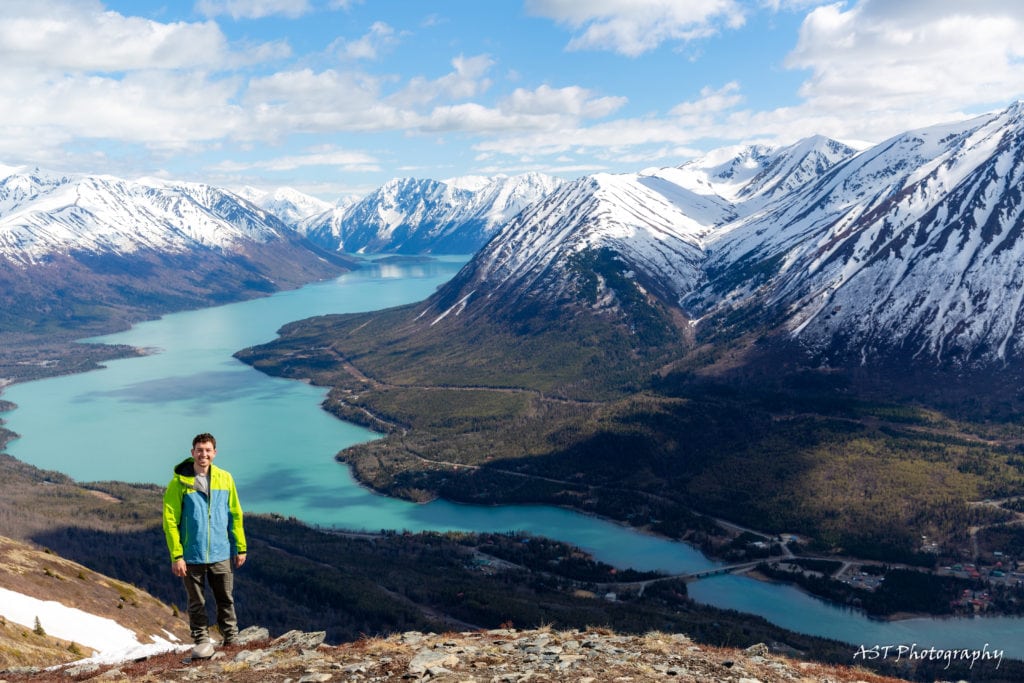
[{"x": 203, "y": 526}]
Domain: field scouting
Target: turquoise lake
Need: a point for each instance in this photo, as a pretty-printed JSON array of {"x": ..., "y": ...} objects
[{"x": 134, "y": 420}]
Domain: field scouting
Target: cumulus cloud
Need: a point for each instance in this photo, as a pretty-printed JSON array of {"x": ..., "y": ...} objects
[
  {"x": 711, "y": 101},
  {"x": 379, "y": 37},
  {"x": 633, "y": 27},
  {"x": 468, "y": 78},
  {"x": 935, "y": 56},
  {"x": 648, "y": 137},
  {"x": 307, "y": 101},
  {"x": 252, "y": 9},
  {"x": 93, "y": 80},
  {"x": 569, "y": 101},
  {"x": 77, "y": 36},
  {"x": 542, "y": 109}
]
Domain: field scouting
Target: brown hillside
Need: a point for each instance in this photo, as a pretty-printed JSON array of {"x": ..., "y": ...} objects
[{"x": 41, "y": 574}]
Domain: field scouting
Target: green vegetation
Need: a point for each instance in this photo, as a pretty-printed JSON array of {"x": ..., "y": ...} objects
[
  {"x": 901, "y": 591},
  {"x": 544, "y": 555},
  {"x": 572, "y": 410},
  {"x": 351, "y": 585},
  {"x": 24, "y": 358}
]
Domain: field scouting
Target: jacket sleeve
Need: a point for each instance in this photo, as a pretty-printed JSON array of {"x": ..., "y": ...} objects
[
  {"x": 172, "y": 518},
  {"x": 235, "y": 528}
]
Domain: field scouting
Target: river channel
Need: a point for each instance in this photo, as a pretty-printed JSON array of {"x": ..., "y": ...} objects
[{"x": 133, "y": 421}]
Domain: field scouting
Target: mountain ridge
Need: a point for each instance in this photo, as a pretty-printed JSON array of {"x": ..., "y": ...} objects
[
  {"x": 652, "y": 394},
  {"x": 85, "y": 252},
  {"x": 905, "y": 250},
  {"x": 842, "y": 244},
  {"x": 419, "y": 216}
]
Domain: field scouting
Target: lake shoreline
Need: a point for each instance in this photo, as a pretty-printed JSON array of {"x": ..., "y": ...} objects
[{"x": 181, "y": 394}]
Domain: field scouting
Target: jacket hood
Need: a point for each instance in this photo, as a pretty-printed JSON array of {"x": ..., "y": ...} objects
[{"x": 186, "y": 468}]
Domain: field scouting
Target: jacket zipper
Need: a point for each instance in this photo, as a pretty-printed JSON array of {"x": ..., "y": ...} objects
[{"x": 209, "y": 521}]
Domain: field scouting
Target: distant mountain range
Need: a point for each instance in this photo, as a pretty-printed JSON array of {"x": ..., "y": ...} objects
[
  {"x": 910, "y": 249},
  {"x": 81, "y": 250},
  {"x": 419, "y": 216}
]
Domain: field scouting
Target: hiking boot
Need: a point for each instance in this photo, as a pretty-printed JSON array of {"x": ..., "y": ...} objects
[{"x": 203, "y": 650}]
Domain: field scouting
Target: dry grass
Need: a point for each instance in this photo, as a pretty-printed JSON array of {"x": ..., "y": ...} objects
[{"x": 37, "y": 573}]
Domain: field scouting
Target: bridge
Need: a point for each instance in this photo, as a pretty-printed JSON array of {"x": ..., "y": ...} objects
[{"x": 715, "y": 571}]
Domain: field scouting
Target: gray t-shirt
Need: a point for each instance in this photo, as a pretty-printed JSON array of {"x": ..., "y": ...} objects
[{"x": 202, "y": 483}]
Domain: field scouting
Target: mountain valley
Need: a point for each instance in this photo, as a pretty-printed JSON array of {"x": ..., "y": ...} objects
[
  {"x": 811, "y": 339},
  {"x": 84, "y": 255},
  {"x": 815, "y": 341},
  {"x": 347, "y": 586}
]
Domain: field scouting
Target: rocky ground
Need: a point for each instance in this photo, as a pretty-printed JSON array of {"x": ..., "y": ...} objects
[{"x": 495, "y": 656}]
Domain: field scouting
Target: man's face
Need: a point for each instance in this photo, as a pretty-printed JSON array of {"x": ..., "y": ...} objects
[{"x": 203, "y": 453}]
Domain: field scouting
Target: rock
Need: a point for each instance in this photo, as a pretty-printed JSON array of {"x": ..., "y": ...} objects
[
  {"x": 431, "y": 659},
  {"x": 499, "y": 656},
  {"x": 251, "y": 634},
  {"x": 80, "y": 670},
  {"x": 305, "y": 641},
  {"x": 759, "y": 650},
  {"x": 316, "y": 678}
]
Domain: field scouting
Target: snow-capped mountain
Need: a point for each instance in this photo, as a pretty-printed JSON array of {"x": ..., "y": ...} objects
[
  {"x": 43, "y": 214},
  {"x": 416, "y": 216},
  {"x": 288, "y": 204},
  {"x": 83, "y": 242},
  {"x": 912, "y": 248},
  {"x": 536, "y": 255},
  {"x": 652, "y": 224}
]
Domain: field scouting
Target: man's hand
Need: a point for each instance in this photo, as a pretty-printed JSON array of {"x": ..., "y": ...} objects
[
  {"x": 239, "y": 560},
  {"x": 178, "y": 567}
]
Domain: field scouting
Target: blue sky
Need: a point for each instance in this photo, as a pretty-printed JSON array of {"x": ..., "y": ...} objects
[{"x": 334, "y": 97}]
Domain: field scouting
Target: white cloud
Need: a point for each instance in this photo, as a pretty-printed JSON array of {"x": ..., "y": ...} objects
[
  {"x": 542, "y": 109},
  {"x": 328, "y": 101},
  {"x": 632, "y": 27},
  {"x": 252, "y": 9},
  {"x": 627, "y": 138},
  {"x": 468, "y": 78},
  {"x": 77, "y": 36},
  {"x": 711, "y": 102},
  {"x": 915, "y": 56},
  {"x": 93, "y": 82},
  {"x": 156, "y": 108},
  {"x": 88, "y": 79},
  {"x": 570, "y": 101},
  {"x": 369, "y": 46},
  {"x": 344, "y": 159}
]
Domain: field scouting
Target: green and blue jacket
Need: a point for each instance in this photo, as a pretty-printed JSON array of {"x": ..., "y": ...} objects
[{"x": 202, "y": 528}]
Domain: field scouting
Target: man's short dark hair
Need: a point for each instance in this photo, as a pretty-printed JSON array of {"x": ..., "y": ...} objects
[{"x": 203, "y": 438}]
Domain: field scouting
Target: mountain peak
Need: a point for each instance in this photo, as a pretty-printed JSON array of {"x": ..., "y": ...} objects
[
  {"x": 416, "y": 215},
  {"x": 911, "y": 248}
]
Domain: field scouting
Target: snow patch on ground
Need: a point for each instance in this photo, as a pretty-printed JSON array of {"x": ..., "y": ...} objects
[{"x": 112, "y": 642}]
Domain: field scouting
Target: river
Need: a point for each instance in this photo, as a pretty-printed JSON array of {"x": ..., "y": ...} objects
[{"x": 133, "y": 421}]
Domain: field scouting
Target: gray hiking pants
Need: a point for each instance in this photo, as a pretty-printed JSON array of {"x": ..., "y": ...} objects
[{"x": 221, "y": 580}]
